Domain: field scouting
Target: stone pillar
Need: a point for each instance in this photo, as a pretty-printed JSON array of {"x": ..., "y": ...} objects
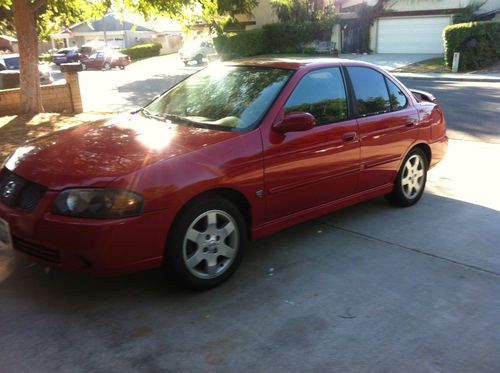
[{"x": 74, "y": 90}]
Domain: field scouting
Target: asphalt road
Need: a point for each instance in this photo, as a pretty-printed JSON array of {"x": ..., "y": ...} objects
[
  {"x": 472, "y": 109},
  {"x": 371, "y": 288}
]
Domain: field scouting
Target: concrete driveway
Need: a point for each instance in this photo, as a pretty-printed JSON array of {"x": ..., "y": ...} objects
[
  {"x": 391, "y": 61},
  {"x": 371, "y": 288}
]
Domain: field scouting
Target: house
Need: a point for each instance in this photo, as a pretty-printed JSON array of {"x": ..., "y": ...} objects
[
  {"x": 403, "y": 26},
  {"x": 115, "y": 30}
]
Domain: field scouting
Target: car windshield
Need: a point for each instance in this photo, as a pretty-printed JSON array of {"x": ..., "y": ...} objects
[
  {"x": 12, "y": 63},
  {"x": 227, "y": 98}
]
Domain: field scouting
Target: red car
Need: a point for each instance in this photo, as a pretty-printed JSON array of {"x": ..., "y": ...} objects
[
  {"x": 233, "y": 153},
  {"x": 106, "y": 61}
]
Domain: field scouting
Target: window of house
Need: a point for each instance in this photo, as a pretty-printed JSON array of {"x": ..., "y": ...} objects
[
  {"x": 370, "y": 91},
  {"x": 321, "y": 93}
]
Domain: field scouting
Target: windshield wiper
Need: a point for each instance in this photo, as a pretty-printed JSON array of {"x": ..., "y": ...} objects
[
  {"x": 149, "y": 114},
  {"x": 185, "y": 120}
]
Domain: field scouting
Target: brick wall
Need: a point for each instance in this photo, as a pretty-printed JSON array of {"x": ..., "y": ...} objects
[{"x": 56, "y": 98}]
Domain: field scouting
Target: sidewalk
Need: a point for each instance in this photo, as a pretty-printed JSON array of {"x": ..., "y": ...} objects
[
  {"x": 391, "y": 62},
  {"x": 451, "y": 76}
]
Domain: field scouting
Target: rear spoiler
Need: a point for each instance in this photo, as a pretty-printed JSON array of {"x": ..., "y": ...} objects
[{"x": 423, "y": 95}]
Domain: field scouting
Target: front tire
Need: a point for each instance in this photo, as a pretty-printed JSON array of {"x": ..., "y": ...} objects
[
  {"x": 107, "y": 66},
  {"x": 199, "y": 59},
  {"x": 410, "y": 181},
  {"x": 206, "y": 244}
]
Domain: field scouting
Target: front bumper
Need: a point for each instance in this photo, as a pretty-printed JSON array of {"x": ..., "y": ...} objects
[{"x": 103, "y": 247}]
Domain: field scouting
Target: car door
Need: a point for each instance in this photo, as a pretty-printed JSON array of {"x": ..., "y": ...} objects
[
  {"x": 388, "y": 125},
  {"x": 306, "y": 169},
  {"x": 98, "y": 63}
]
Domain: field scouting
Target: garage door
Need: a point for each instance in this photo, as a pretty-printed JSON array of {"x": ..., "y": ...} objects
[{"x": 411, "y": 35}]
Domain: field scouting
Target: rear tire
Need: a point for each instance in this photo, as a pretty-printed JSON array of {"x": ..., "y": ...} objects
[
  {"x": 84, "y": 67},
  {"x": 107, "y": 66},
  {"x": 122, "y": 67},
  {"x": 410, "y": 181},
  {"x": 199, "y": 59},
  {"x": 206, "y": 244}
]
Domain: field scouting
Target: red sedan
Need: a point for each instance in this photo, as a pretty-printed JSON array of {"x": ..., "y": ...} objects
[
  {"x": 106, "y": 61},
  {"x": 233, "y": 153}
]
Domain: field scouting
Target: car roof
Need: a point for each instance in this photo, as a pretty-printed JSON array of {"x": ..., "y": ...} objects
[
  {"x": 295, "y": 63},
  {"x": 10, "y": 55}
]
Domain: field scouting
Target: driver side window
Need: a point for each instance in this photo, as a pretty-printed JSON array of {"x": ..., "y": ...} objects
[{"x": 322, "y": 94}]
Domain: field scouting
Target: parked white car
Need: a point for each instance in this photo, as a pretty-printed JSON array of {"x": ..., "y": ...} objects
[
  {"x": 11, "y": 62},
  {"x": 196, "y": 51}
]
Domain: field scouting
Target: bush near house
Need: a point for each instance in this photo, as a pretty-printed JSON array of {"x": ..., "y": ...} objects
[
  {"x": 142, "y": 51},
  {"x": 248, "y": 43},
  {"x": 273, "y": 38},
  {"x": 477, "y": 42}
]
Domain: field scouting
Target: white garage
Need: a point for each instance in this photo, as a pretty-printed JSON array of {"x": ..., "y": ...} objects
[{"x": 411, "y": 34}]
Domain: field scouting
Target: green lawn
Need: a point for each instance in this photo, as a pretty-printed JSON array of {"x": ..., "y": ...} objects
[{"x": 434, "y": 65}]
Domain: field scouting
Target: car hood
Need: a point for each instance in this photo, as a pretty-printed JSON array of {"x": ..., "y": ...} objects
[{"x": 94, "y": 154}]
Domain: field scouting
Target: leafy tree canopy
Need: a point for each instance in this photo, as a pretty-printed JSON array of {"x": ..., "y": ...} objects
[{"x": 298, "y": 11}]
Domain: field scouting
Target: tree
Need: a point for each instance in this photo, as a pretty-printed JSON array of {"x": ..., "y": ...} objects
[
  {"x": 366, "y": 16},
  {"x": 468, "y": 13},
  {"x": 217, "y": 13},
  {"x": 29, "y": 14},
  {"x": 299, "y": 11}
]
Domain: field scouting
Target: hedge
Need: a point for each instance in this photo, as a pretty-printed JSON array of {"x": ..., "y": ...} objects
[
  {"x": 248, "y": 43},
  {"x": 142, "y": 51},
  {"x": 273, "y": 38},
  {"x": 477, "y": 42}
]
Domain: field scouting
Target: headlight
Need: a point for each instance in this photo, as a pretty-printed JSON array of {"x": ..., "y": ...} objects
[{"x": 98, "y": 203}]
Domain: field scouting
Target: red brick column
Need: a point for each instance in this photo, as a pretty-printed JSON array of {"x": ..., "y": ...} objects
[{"x": 74, "y": 89}]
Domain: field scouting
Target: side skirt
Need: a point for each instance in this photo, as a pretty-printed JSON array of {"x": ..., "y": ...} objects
[{"x": 304, "y": 215}]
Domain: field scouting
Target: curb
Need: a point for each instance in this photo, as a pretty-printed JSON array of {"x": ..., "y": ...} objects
[{"x": 451, "y": 77}]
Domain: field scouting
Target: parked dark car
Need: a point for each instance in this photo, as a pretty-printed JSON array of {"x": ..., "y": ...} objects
[
  {"x": 66, "y": 55},
  {"x": 106, "y": 60},
  {"x": 235, "y": 152}
]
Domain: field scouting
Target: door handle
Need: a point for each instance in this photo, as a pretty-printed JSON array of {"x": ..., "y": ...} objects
[
  {"x": 349, "y": 136},
  {"x": 410, "y": 124}
]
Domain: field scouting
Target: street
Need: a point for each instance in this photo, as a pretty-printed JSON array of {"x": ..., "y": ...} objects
[{"x": 371, "y": 288}]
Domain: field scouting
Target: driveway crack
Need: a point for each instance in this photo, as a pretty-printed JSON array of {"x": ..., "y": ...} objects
[{"x": 418, "y": 251}]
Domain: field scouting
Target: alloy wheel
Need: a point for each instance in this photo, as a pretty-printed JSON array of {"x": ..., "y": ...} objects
[
  {"x": 412, "y": 179},
  {"x": 211, "y": 244}
]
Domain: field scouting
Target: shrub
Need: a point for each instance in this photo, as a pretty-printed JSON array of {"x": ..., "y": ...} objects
[
  {"x": 477, "y": 42},
  {"x": 273, "y": 38},
  {"x": 248, "y": 43},
  {"x": 142, "y": 51}
]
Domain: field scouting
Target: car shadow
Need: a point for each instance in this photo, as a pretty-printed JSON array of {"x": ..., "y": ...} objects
[
  {"x": 393, "y": 274},
  {"x": 437, "y": 226}
]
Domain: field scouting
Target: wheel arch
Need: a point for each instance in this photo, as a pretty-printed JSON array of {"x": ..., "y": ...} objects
[
  {"x": 230, "y": 194},
  {"x": 426, "y": 149}
]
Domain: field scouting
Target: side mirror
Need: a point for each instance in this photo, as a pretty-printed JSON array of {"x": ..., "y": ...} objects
[{"x": 294, "y": 122}]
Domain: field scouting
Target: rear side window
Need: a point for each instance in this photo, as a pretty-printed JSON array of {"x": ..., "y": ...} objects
[
  {"x": 396, "y": 97},
  {"x": 321, "y": 93},
  {"x": 370, "y": 91}
]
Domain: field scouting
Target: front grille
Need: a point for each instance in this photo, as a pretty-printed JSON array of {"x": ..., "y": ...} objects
[
  {"x": 18, "y": 192},
  {"x": 49, "y": 255}
]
